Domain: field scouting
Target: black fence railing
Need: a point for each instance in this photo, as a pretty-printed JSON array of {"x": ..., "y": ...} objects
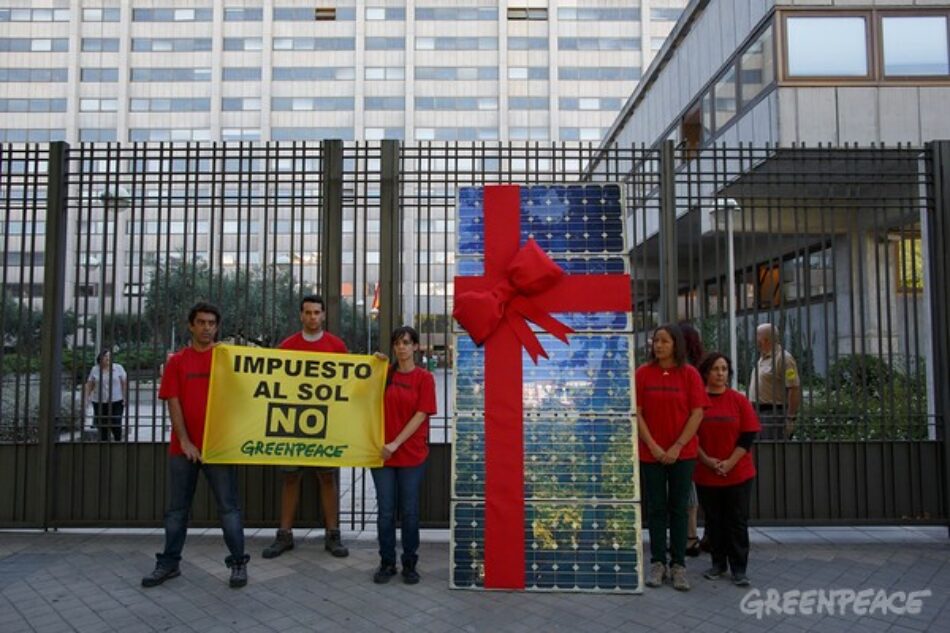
[{"x": 832, "y": 246}]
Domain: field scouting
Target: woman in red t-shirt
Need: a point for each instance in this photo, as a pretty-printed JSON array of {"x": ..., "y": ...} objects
[
  {"x": 409, "y": 401},
  {"x": 726, "y": 471},
  {"x": 670, "y": 403}
]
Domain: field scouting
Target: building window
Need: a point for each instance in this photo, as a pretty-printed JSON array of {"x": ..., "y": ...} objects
[
  {"x": 589, "y": 103},
  {"x": 34, "y": 45},
  {"x": 914, "y": 46},
  {"x": 100, "y": 45},
  {"x": 757, "y": 67},
  {"x": 397, "y": 14},
  {"x": 799, "y": 277},
  {"x": 32, "y": 135},
  {"x": 314, "y": 44},
  {"x": 34, "y": 15},
  {"x": 239, "y": 73},
  {"x": 528, "y": 133},
  {"x": 32, "y": 105},
  {"x": 827, "y": 46},
  {"x": 240, "y": 104},
  {"x": 102, "y": 75},
  {"x": 456, "y": 103},
  {"x": 527, "y": 103},
  {"x": 457, "y": 73},
  {"x": 600, "y": 73},
  {"x": 172, "y": 15},
  {"x": 385, "y": 43},
  {"x": 320, "y": 14},
  {"x": 97, "y": 135},
  {"x": 243, "y": 14},
  {"x": 171, "y": 44},
  {"x": 170, "y": 105},
  {"x": 311, "y": 104},
  {"x": 319, "y": 73},
  {"x": 527, "y": 43},
  {"x": 98, "y": 105},
  {"x": 598, "y": 14},
  {"x": 456, "y": 43},
  {"x": 457, "y": 14},
  {"x": 598, "y": 43},
  {"x": 311, "y": 133},
  {"x": 38, "y": 75},
  {"x": 243, "y": 44},
  {"x": 724, "y": 93},
  {"x": 665, "y": 14},
  {"x": 101, "y": 15},
  {"x": 525, "y": 13},
  {"x": 171, "y": 74},
  {"x": 169, "y": 134},
  {"x": 910, "y": 264},
  {"x": 380, "y": 133},
  {"x": 385, "y": 72},
  {"x": 240, "y": 134}
]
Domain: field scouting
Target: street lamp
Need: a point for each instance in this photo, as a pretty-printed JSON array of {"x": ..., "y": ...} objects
[
  {"x": 730, "y": 206},
  {"x": 116, "y": 198}
]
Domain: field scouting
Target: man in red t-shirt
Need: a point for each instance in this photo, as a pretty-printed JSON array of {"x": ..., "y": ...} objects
[
  {"x": 311, "y": 338},
  {"x": 184, "y": 388}
]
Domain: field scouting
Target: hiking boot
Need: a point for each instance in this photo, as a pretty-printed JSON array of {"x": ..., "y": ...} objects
[
  {"x": 714, "y": 573},
  {"x": 282, "y": 542},
  {"x": 384, "y": 573},
  {"x": 159, "y": 575},
  {"x": 238, "y": 572},
  {"x": 334, "y": 544},
  {"x": 678, "y": 573},
  {"x": 739, "y": 579},
  {"x": 409, "y": 574},
  {"x": 657, "y": 575}
]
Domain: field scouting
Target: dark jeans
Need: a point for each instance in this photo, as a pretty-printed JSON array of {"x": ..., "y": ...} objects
[
  {"x": 398, "y": 484},
  {"x": 107, "y": 417},
  {"x": 182, "y": 481},
  {"x": 667, "y": 494},
  {"x": 727, "y": 523}
]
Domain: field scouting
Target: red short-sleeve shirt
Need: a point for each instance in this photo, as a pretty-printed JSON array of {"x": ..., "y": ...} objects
[
  {"x": 406, "y": 394},
  {"x": 326, "y": 343},
  {"x": 186, "y": 377},
  {"x": 724, "y": 421},
  {"x": 666, "y": 397}
]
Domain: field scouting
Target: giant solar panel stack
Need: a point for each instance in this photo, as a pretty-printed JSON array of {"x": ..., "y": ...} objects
[{"x": 581, "y": 488}]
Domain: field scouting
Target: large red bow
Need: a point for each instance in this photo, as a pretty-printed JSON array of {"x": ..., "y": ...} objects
[{"x": 529, "y": 272}]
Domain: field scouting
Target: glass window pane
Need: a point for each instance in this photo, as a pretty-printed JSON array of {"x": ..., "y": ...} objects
[
  {"x": 725, "y": 93},
  {"x": 915, "y": 46},
  {"x": 758, "y": 69},
  {"x": 827, "y": 47}
]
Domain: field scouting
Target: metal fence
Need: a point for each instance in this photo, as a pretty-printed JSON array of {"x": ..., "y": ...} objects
[{"x": 108, "y": 245}]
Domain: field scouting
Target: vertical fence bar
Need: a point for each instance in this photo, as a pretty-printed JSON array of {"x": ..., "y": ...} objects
[
  {"x": 667, "y": 237},
  {"x": 390, "y": 231},
  {"x": 331, "y": 236},
  {"x": 51, "y": 349},
  {"x": 940, "y": 302}
]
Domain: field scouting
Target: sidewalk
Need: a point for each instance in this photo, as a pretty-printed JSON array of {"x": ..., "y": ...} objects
[{"x": 89, "y": 581}]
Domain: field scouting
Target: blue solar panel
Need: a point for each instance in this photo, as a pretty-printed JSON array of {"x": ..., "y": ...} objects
[{"x": 581, "y": 485}]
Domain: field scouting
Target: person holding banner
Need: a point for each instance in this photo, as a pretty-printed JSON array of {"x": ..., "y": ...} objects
[
  {"x": 409, "y": 401},
  {"x": 670, "y": 402},
  {"x": 311, "y": 338},
  {"x": 184, "y": 388}
]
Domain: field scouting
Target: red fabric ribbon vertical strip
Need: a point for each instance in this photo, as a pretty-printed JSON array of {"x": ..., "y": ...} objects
[{"x": 518, "y": 284}]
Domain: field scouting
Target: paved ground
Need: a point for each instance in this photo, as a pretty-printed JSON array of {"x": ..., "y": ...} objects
[{"x": 89, "y": 581}]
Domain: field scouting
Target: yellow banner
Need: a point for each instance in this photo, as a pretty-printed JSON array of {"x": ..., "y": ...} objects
[{"x": 277, "y": 407}]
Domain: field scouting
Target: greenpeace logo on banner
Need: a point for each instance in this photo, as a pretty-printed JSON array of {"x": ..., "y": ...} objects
[
  {"x": 308, "y": 421},
  {"x": 832, "y": 602}
]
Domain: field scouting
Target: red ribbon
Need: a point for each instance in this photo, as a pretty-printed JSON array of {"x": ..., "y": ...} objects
[{"x": 518, "y": 284}]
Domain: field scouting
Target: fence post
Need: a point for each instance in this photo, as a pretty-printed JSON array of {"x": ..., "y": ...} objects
[
  {"x": 939, "y": 250},
  {"x": 331, "y": 278},
  {"x": 51, "y": 346},
  {"x": 390, "y": 230},
  {"x": 667, "y": 236}
]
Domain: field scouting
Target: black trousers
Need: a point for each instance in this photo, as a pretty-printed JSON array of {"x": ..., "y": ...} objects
[
  {"x": 726, "y": 509},
  {"x": 772, "y": 417},
  {"x": 108, "y": 419}
]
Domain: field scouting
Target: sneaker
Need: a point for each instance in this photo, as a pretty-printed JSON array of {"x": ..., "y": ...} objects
[
  {"x": 334, "y": 544},
  {"x": 657, "y": 575},
  {"x": 159, "y": 575},
  {"x": 678, "y": 572},
  {"x": 384, "y": 573},
  {"x": 238, "y": 574},
  {"x": 739, "y": 579},
  {"x": 282, "y": 542},
  {"x": 714, "y": 573},
  {"x": 409, "y": 574}
]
